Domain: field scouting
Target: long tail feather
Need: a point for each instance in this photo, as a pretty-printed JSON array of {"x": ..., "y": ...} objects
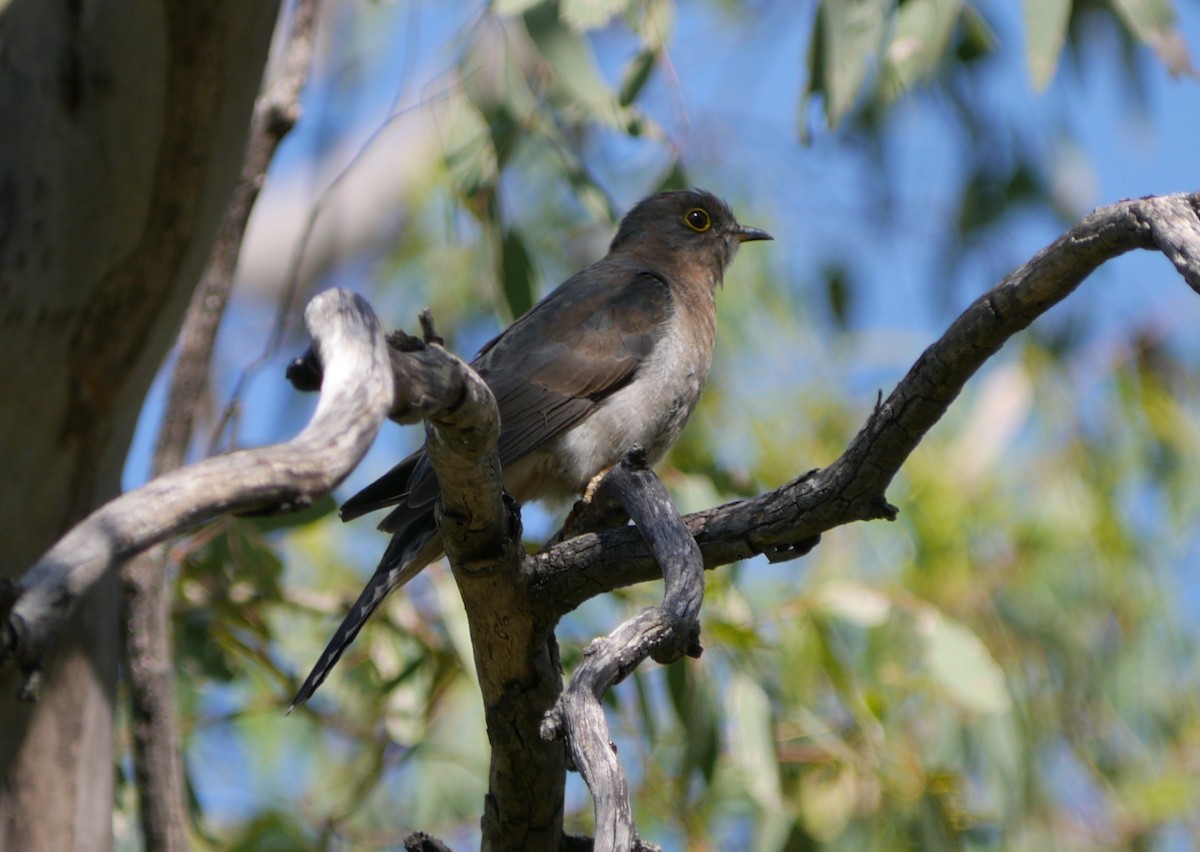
[
  {"x": 388, "y": 490},
  {"x": 407, "y": 554}
]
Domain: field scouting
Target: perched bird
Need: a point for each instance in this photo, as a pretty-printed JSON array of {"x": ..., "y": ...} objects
[{"x": 615, "y": 357}]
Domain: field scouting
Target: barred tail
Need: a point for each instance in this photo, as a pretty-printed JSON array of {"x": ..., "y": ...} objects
[{"x": 409, "y": 551}]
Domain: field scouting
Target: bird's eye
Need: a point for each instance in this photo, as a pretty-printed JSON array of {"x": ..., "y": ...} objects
[{"x": 697, "y": 219}]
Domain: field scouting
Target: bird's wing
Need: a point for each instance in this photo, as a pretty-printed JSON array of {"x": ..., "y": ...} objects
[
  {"x": 387, "y": 490},
  {"x": 553, "y": 368},
  {"x": 548, "y": 371},
  {"x": 559, "y": 362}
]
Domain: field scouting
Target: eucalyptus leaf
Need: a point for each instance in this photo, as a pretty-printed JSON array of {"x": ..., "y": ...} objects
[
  {"x": 923, "y": 31},
  {"x": 854, "y": 603},
  {"x": 1045, "y": 33},
  {"x": 961, "y": 664},
  {"x": 753, "y": 741},
  {"x": 1153, "y": 22},
  {"x": 583, "y": 15},
  {"x": 517, "y": 273},
  {"x": 469, "y": 154},
  {"x": 575, "y": 75},
  {"x": 828, "y": 796},
  {"x": 847, "y": 41},
  {"x": 514, "y": 7}
]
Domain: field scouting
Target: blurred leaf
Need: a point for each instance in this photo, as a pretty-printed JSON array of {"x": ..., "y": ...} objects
[
  {"x": 654, "y": 26},
  {"x": 847, "y": 41},
  {"x": 517, "y": 273},
  {"x": 923, "y": 31},
  {"x": 976, "y": 38},
  {"x": 455, "y": 618},
  {"x": 854, "y": 603},
  {"x": 753, "y": 741},
  {"x": 514, "y": 7},
  {"x": 583, "y": 15},
  {"x": 270, "y": 831},
  {"x": 1045, "y": 33},
  {"x": 676, "y": 177},
  {"x": 469, "y": 153},
  {"x": 637, "y": 74},
  {"x": 574, "y": 72},
  {"x": 839, "y": 294},
  {"x": 319, "y": 508},
  {"x": 828, "y": 796},
  {"x": 1162, "y": 799},
  {"x": 696, "y": 708},
  {"x": 495, "y": 83},
  {"x": 197, "y": 654},
  {"x": 962, "y": 665},
  {"x": 1153, "y": 22},
  {"x": 646, "y": 709},
  {"x": 989, "y": 197}
]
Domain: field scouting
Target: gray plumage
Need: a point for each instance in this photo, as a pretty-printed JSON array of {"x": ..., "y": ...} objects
[{"x": 616, "y": 356}]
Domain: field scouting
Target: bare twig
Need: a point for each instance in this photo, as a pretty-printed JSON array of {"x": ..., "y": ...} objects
[{"x": 357, "y": 394}]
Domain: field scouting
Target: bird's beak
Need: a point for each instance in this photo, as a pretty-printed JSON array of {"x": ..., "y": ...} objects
[{"x": 746, "y": 234}]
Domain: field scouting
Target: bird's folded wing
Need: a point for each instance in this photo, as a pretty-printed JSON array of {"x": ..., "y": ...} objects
[
  {"x": 555, "y": 366},
  {"x": 548, "y": 371}
]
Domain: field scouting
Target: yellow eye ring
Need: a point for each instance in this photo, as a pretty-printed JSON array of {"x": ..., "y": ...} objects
[{"x": 697, "y": 219}]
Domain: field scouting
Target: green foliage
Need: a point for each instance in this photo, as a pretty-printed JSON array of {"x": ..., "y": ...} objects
[
  {"x": 1046, "y": 26},
  {"x": 867, "y": 53}
]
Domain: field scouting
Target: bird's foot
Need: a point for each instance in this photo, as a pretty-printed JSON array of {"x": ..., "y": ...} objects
[{"x": 589, "y": 493}]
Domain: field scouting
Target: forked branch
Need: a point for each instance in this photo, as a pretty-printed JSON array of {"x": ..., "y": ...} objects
[{"x": 357, "y": 382}]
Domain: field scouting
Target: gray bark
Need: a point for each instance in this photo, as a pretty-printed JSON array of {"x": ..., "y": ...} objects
[
  {"x": 124, "y": 125},
  {"x": 146, "y": 587}
]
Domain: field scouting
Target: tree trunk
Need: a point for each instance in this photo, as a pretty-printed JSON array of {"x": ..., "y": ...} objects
[{"x": 123, "y": 131}]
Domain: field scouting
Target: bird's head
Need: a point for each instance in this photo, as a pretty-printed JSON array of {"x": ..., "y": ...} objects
[{"x": 691, "y": 227}]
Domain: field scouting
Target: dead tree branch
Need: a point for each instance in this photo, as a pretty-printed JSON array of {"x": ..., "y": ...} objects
[
  {"x": 357, "y": 394},
  {"x": 664, "y": 633},
  {"x": 516, "y": 659},
  {"x": 782, "y": 522}
]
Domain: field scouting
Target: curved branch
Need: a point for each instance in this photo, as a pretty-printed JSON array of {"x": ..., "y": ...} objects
[
  {"x": 664, "y": 633},
  {"x": 783, "y": 522},
  {"x": 357, "y": 394}
]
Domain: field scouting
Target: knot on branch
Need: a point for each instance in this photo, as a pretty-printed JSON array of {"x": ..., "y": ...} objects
[
  {"x": 305, "y": 372},
  {"x": 787, "y": 551},
  {"x": 419, "y": 841},
  {"x": 12, "y": 635}
]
